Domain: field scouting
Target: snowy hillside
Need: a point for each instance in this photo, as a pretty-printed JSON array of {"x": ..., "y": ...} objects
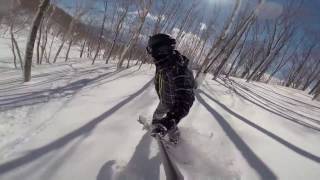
[
  {"x": 77, "y": 117},
  {"x": 77, "y": 121}
]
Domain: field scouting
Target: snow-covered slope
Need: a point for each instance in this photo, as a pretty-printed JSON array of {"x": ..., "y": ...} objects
[{"x": 77, "y": 121}]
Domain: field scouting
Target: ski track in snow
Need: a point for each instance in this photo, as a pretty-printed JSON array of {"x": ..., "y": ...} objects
[{"x": 77, "y": 121}]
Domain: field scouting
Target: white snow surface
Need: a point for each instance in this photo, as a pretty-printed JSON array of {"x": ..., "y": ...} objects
[{"x": 78, "y": 121}]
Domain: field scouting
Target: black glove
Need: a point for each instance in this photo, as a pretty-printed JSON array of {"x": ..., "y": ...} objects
[
  {"x": 161, "y": 126},
  {"x": 167, "y": 122}
]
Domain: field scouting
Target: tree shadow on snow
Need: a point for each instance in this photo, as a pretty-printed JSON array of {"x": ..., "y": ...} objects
[
  {"x": 272, "y": 101},
  {"x": 12, "y": 84},
  {"x": 42, "y": 96},
  {"x": 140, "y": 167},
  {"x": 83, "y": 131},
  {"x": 253, "y": 160},
  {"x": 299, "y": 102},
  {"x": 280, "y": 140},
  {"x": 270, "y": 106},
  {"x": 201, "y": 157}
]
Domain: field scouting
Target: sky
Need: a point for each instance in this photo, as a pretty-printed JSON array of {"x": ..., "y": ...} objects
[
  {"x": 308, "y": 18},
  {"x": 313, "y": 8}
]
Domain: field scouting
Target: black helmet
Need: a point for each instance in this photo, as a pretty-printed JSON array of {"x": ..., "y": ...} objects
[{"x": 158, "y": 40}]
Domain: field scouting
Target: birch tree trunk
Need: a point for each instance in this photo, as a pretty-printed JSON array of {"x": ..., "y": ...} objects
[
  {"x": 146, "y": 4},
  {"x": 17, "y": 49},
  {"x": 44, "y": 43},
  {"x": 79, "y": 13},
  {"x": 301, "y": 65},
  {"x": 32, "y": 37},
  {"x": 241, "y": 31},
  {"x": 15, "y": 46},
  {"x": 39, "y": 41},
  {"x": 82, "y": 48},
  {"x": 311, "y": 78},
  {"x": 160, "y": 17},
  {"x": 117, "y": 31},
  {"x": 220, "y": 39},
  {"x": 14, "y": 54},
  {"x": 317, "y": 85},
  {"x": 51, "y": 44},
  {"x": 68, "y": 49},
  {"x": 185, "y": 19},
  {"x": 237, "y": 56},
  {"x": 101, "y": 31},
  {"x": 280, "y": 65}
]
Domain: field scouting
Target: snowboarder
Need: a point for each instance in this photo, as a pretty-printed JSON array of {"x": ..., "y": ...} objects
[{"x": 174, "y": 84}]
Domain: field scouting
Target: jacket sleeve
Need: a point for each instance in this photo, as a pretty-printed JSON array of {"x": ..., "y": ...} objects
[
  {"x": 183, "y": 83},
  {"x": 156, "y": 83}
]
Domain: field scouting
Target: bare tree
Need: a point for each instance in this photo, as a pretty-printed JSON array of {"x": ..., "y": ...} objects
[
  {"x": 282, "y": 62},
  {"x": 207, "y": 32},
  {"x": 51, "y": 44},
  {"x": 161, "y": 16},
  {"x": 239, "y": 34},
  {"x": 186, "y": 17},
  {"x": 30, "y": 43},
  {"x": 48, "y": 25},
  {"x": 15, "y": 46},
  {"x": 16, "y": 23},
  {"x": 44, "y": 30},
  {"x": 295, "y": 72},
  {"x": 143, "y": 11},
  {"x": 278, "y": 38},
  {"x": 314, "y": 73},
  {"x": 240, "y": 49},
  {"x": 316, "y": 89},
  {"x": 316, "y": 95},
  {"x": 171, "y": 15},
  {"x": 230, "y": 44},
  {"x": 39, "y": 40},
  {"x": 101, "y": 31},
  {"x": 220, "y": 39},
  {"x": 119, "y": 25},
  {"x": 86, "y": 38},
  {"x": 80, "y": 10}
]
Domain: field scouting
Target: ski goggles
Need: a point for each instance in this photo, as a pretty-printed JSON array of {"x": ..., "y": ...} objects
[{"x": 161, "y": 49}]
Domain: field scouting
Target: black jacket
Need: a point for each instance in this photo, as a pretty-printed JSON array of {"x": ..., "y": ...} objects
[{"x": 175, "y": 84}]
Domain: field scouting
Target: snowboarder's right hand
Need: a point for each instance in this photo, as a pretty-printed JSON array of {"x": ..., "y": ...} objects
[
  {"x": 158, "y": 129},
  {"x": 168, "y": 122},
  {"x": 162, "y": 126}
]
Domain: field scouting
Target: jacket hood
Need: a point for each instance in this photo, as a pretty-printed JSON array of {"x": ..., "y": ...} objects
[{"x": 171, "y": 60}]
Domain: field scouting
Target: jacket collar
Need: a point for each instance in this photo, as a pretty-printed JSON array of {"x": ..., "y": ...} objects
[{"x": 169, "y": 61}]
